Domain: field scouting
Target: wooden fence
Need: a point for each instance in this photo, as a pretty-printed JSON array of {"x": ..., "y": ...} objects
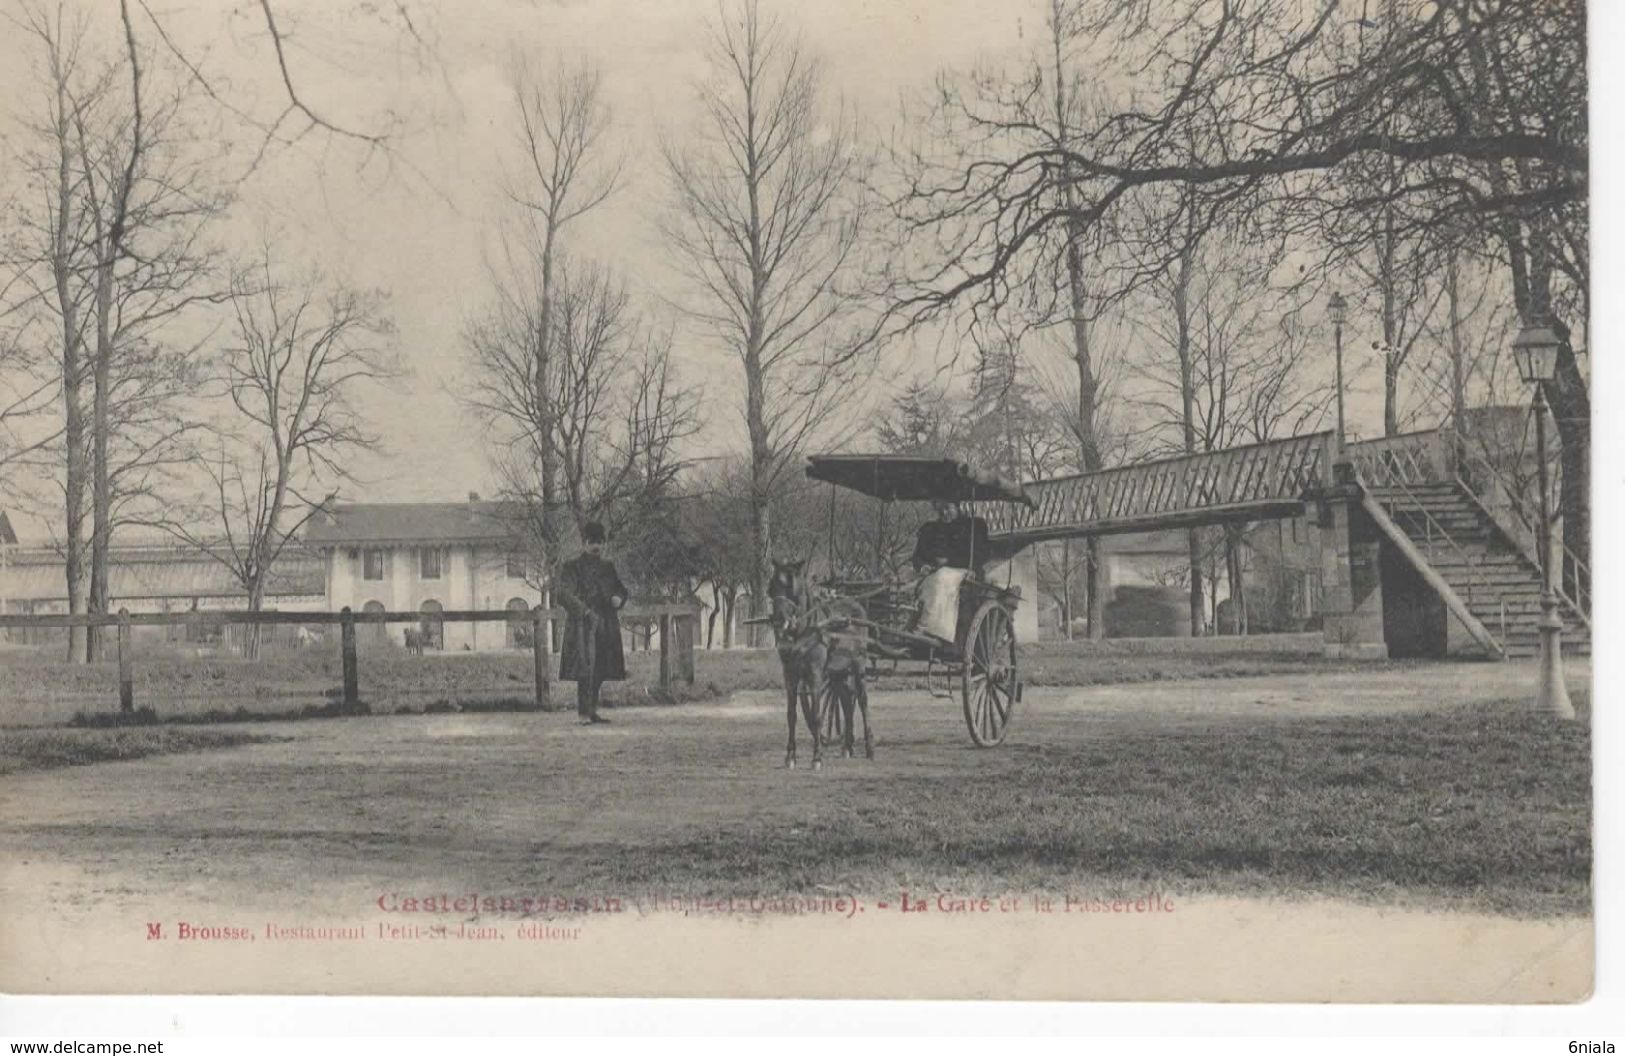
[{"x": 677, "y": 636}]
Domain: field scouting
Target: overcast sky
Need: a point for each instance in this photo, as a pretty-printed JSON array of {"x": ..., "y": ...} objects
[{"x": 418, "y": 224}]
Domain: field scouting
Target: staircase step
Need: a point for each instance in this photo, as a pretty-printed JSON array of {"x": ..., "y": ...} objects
[
  {"x": 1486, "y": 568},
  {"x": 1474, "y": 557}
]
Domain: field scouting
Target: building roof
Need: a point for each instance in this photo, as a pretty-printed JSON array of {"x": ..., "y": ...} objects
[
  {"x": 149, "y": 573},
  {"x": 411, "y": 523}
]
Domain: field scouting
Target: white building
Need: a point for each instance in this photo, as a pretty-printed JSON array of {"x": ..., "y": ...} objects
[{"x": 426, "y": 557}]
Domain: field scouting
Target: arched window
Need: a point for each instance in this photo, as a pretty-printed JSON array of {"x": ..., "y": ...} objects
[
  {"x": 434, "y": 628},
  {"x": 518, "y": 623},
  {"x": 376, "y": 633}
]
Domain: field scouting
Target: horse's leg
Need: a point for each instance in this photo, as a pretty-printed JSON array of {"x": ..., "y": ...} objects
[
  {"x": 814, "y": 685},
  {"x": 791, "y": 689},
  {"x": 863, "y": 702},
  {"x": 849, "y": 700}
]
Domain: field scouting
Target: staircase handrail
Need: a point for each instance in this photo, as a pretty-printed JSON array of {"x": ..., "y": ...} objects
[
  {"x": 1474, "y": 570},
  {"x": 1378, "y": 512},
  {"x": 1579, "y": 601}
]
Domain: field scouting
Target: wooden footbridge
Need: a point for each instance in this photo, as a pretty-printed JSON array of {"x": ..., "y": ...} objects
[
  {"x": 1412, "y": 491},
  {"x": 1254, "y": 482}
]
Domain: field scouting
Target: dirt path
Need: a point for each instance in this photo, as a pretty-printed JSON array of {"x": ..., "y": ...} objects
[
  {"x": 323, "y": 825},
  {"x": 345, "y": 806}
]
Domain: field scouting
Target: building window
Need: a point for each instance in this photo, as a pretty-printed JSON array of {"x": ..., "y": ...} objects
[
  {"x": 516, "y": 566},
  {"x": 432, "y": 626},
  {"x": 372, "y": 564},
  {"x": 377, "y": 633},
  {"x": 519, "y": 625},
  {"x": 430, "y": 561}
]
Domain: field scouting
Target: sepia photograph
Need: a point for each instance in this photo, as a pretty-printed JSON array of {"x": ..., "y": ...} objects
[{"x": 1039, "y": 500}]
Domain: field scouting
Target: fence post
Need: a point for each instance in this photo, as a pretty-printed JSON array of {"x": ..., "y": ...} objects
[
  {"x": 665, "y": 650},
  {"x": 126, "y": 684},
  {"x": 539, "y": 633},
  {"x": 352, "y": 690}
]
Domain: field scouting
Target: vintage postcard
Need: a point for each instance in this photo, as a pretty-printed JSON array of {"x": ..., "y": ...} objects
[{"x": 1057, "y": 499}]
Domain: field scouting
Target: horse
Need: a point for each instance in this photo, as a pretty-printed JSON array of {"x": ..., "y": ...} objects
[
  {"x": 415, "y": 638},
  {"x": 811, "y": 653}
]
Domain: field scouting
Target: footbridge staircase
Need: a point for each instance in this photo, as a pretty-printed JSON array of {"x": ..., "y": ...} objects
[{"x": 1414, "y": 491}]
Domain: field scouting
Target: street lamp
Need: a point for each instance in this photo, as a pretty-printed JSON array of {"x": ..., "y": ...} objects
[
  {"x": 1535, "y": 350},
  {"x": 1338, "y": 308}
]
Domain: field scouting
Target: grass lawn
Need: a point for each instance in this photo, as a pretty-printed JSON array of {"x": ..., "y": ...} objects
[
  {"x": 44, "y": 749},
  {"x": 1185, "y": 788},
  {"x": 1482, "y": 807}
]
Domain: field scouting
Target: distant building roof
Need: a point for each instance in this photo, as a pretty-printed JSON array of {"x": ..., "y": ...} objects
[
  {"x": 409, "y": 523},
  {"x": 155, "y": 573},
  {"x": 7, "y": 536}
]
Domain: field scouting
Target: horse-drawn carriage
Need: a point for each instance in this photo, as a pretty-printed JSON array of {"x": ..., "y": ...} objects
[{"x": 953, "y": 625}]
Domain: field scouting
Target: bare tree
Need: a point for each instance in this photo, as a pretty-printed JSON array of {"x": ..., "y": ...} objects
[
  {"x": 563, "y": 174},
  {"x": 299, "y": 114},
  {"x": 51, "y": 238},
  {"x": 110, "y": 255},
  {"x": 766, "y": 223},
  {"x": 27, "y": 382},
  {"x": 616, "y": 410},
  {"x": 1228, "y": 365},
  {"x": 1480, "y": 104},
  {"x": 300, "y": 350}
]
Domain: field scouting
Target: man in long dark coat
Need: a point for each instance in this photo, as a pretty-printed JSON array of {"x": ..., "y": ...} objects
[{"x": 592, "y": 594}]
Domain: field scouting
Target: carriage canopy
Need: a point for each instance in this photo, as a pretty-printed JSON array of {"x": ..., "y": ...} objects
[{"x": 915, "y": 478}]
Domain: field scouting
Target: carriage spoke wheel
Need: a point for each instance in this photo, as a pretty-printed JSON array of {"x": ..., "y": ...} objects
[
  {"x": 832, "y": 727},
  {"x": 988, "y": 677}
]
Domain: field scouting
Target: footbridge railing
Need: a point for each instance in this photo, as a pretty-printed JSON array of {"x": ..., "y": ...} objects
[
  {"x": 1433, "y": 456},
  {"x": 1268, "y": 479}
]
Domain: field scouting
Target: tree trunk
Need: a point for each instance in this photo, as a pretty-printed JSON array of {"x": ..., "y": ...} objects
[
  {"x": 256, "y": 602},
  {"x": 74, "y": 543},
  {"x": 73, "y": 408},
  {"x": 761, "y": 538},
  {"x": 761, "y": 478},
  {"x": 1187, "y": 412},
  {"x": 1567, "y": 394},
  {"x": 1095, "y": 586},
  {"x": 1458, "y": 360},
  {"x": 1066, "y": 589},
  {"x": 711, "y": 618},
  {"x": 101, "y": 489},
  {"x": 544, "y": 411},
  {"x": 1571, "y": 410},
  {"x": 1390, "y": 327},
  {"x": 1193, "y": 540},
  {"x": 1237, "y": 577}
]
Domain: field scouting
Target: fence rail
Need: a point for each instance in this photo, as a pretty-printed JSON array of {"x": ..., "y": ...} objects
[{"x": 677, "y": 623}]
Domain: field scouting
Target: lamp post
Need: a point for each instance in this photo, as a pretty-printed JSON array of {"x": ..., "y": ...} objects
[
  {"x": 1535, "y": 349},
  {"x": 1337, "y": 309}
]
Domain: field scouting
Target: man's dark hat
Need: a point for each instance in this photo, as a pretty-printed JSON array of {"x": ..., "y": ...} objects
[{"x": 593, "y": 532}]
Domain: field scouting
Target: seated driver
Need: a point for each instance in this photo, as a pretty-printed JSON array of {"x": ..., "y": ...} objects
[
  {"x": 946, "y": 550},
  {"x": 950, "y": 541}
]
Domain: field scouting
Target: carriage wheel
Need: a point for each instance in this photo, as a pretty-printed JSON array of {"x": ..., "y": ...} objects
[
  {"x": 832, "y": 726},
  {"x": 988, "y": 677}
]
